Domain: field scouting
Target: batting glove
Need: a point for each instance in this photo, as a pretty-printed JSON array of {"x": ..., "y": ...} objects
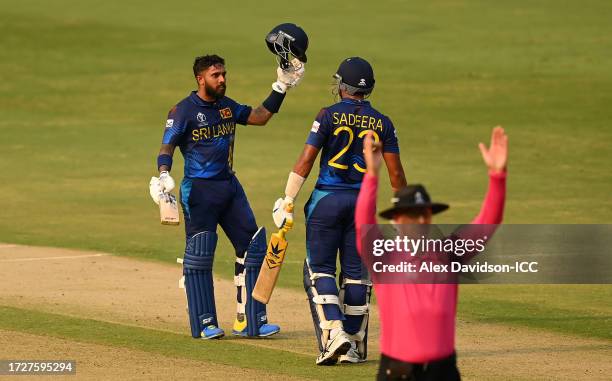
[
  {"x": 288, "y": 78},
  {"x": 155, "y": 189},
  {"x": 282, "y": 213},
  {"x": 162, "y": 184},
  {"x": 166, "y": 181}
]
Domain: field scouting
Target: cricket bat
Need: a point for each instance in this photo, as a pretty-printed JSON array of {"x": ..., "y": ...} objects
[
  {"x": 271, "y": 267},
  {"x": 168, "y": 209}
]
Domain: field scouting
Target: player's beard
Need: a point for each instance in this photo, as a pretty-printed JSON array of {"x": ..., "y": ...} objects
[{"x": 216, "y": 93}]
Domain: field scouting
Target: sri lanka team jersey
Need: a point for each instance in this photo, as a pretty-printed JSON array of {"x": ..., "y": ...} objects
[
  {"x": 339, "y": 130},
  {"x": 204, "y": 132}
]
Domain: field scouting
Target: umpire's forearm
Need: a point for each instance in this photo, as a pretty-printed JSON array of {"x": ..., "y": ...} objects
[{"x": 365, "y": 209}]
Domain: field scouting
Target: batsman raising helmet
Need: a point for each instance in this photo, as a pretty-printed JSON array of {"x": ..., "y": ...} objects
[
  {"x": 340, "y": 317},
  {"x": 203, "y": 126}
]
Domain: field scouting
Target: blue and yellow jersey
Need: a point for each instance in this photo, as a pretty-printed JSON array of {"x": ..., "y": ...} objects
[
  {"x": 339, "y": 131},
  {"x": 204, "y": 132}
]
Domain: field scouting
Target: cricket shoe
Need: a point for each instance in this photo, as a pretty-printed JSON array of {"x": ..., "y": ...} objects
[
  {"x": 240, "y": 329},
  {"x": 212, "y": 332},
  {"x": 351, "y": 357},
  {"x": 335, "y": 348}
]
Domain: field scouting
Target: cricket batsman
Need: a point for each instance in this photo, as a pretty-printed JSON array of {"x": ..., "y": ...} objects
[
  {"x": 203, "y": 126},
  {"x": 340, "y": 317}
]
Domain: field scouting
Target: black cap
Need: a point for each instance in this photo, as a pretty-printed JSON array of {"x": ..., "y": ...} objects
[
  {"x": 356, "y": 72},
  {"x": 412, "y": 196}
]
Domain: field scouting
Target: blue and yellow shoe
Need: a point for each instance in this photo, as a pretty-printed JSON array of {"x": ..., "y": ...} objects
[
  {"x": 212, "y": 332},
  {"x": 240, "y": 329}
]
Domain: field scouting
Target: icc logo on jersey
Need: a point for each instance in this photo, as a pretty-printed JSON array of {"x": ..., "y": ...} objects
[{"x": 201, "y": 118}]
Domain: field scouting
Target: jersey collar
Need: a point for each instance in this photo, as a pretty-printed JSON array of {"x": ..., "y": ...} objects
[
  {"x": 355, "y": 101},
  {"x": 195, "y": 98}
]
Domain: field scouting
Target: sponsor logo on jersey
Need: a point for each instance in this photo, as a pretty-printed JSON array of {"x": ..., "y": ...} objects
[
  {"x": 315, "y": 127},
  {"x": 169, "y": 123},
  {"x": 226, "y": 113}
]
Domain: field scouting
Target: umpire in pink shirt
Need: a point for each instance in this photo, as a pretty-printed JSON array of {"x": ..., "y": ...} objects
[{"x": 418, "y": 320}]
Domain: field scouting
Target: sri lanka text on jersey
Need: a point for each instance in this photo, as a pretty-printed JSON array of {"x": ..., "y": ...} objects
[{"x": 213, "y": 131}]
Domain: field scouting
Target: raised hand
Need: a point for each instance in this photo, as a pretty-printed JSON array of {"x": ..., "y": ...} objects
[
  {"x": 496, "y": 156},
  {"x": 290, "y": 77}
]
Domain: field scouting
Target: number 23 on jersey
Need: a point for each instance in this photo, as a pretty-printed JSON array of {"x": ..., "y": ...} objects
[{"x": 337, "y": 159}]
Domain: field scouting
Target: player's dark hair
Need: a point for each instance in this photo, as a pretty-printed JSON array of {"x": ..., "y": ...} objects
[{"x": 204, "y": 62}]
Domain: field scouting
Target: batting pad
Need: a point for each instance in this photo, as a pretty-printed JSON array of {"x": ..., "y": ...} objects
[
  {"x": 355, "y": 300},
  {"x": 324, "y": 303},
  {"x": 197, "y": 269}
]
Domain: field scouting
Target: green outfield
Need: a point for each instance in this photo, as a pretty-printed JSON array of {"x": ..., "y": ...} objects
[{"x": 85, "y": 88}]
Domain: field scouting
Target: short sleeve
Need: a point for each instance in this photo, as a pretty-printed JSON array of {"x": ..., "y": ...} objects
[
  {"x": 175, "y": 126},
  {"x": 319, "y": 131},
  {"x": 390, "y": 143},
  {"x": 241, "y": 112}
]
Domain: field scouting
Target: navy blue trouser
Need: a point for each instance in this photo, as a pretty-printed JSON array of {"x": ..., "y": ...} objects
[
  {"x": 330, "y": 229},
  {"x": 208, "y": 203}
]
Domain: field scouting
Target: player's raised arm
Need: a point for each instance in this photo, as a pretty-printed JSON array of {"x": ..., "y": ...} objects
[{"x": 287, "y": 79}]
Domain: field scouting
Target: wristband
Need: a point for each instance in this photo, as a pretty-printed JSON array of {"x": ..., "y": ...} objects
[
  {"x": 294, "y": 184},
  {"x": 164, "y": 159},
  {"x": 274, "y": 101}
]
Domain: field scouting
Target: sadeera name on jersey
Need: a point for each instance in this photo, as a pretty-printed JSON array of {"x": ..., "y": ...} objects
[
  {"x": 362, "y": 121},
  {"x": 215, "y": 131}
]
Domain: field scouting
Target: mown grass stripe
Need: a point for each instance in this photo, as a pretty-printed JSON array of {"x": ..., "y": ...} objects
[
  {"x": 561, "y": 320},
  {"x": 174, "y": 345}
]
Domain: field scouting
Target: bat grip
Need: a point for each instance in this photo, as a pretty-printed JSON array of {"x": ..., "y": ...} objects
[{"x": 282, "y": 232}]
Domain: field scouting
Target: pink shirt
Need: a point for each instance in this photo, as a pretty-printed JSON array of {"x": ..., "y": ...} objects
[{"x": 417, "y": 321}]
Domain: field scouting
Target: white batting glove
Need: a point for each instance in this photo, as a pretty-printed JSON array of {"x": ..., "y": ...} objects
[
  {"x": 166, "y": 181},
  {"x": 282, "y": 213},
  {"x": 162, "y": 184},
  {"x": 155, "y": 189},
  {"x": 288, "y": 78}
]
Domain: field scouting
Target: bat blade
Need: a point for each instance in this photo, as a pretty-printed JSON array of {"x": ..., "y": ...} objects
[
  {"x": 168, "y": 209},
  {"x": 270, "y": 268}
]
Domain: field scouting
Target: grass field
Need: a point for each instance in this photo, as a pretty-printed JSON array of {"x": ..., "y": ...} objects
[{"x": 85, "y": 88}]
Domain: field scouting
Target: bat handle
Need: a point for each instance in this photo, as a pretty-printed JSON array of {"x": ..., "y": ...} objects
[{"x": 282, "y": 232}]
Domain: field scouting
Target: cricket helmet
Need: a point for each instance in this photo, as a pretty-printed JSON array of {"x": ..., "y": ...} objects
[
  {"x": 287, "y": 39},
  {"x": 355, "y": 76}
]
